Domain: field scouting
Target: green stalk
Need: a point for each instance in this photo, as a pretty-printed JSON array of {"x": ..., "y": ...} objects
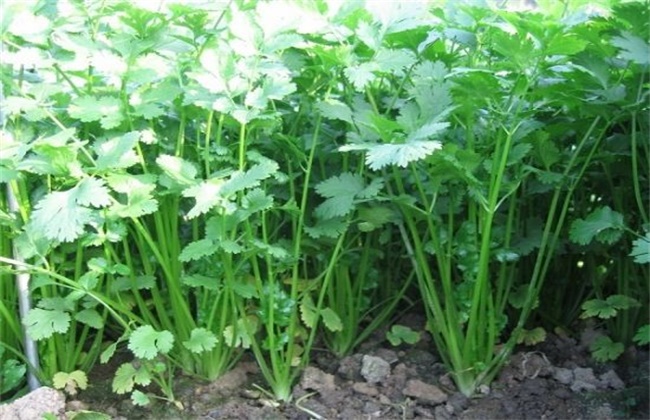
[
  {"x": 552, "y": 230},
  {"x": 475, "y": 348},
  {"x": 636, "y": 185}
]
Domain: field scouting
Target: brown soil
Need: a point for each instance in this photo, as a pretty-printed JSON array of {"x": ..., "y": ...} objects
[{"x": 553, "y": 380}]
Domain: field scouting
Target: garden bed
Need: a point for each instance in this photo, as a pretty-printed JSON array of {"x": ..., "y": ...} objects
[{"x": 553, "y": 380}]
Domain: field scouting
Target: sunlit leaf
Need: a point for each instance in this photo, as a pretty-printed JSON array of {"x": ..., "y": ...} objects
[
  {"x": 633, "y": 48},
  {"x": 147, "y": 343},
  {"x": 641, "y": 250},
  {"x": 201, "y": 340},
  {"x": 41, "y": 323}
]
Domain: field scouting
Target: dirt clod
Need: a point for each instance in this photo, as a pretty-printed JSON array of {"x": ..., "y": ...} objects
[
  {"x": 316, "y": 380},
  {"x": 424, "y": 392}
]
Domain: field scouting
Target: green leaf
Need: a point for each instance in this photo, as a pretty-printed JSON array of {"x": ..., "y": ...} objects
[
  {"x": 331, "y": 320},
  {"x": 642, "y": 336},
  {"x": 375, "y": 217},
  {"x": 329, "y": 228},
  {"x": 532, "y": 337},
  {"x": 340, "y": 192},
  {"x": 139, "y": 203},
  {"x": 147, "y": 343},
  {"x": 59, "y": 217},
  {"x": 117, "y": 152},
  {"x": 380, "y": 156},
  {"x": 62, "y": 215},
  {"x": 394, "y": 61},
  {"x": 87, "y": 415},
  {"x": 200, "y": 340},
  {"x": 106, "y": 110},
  {"x": 57, "y": 303},
  {"x": 108, "y": 353},
  {"x": 11, "y": 373},
  {"x": 251, "y": 178},
  {"x": 178, "y": 172},
  {"x": 92, "y": 192},
  {"x": 41, "y": 323},
  {"x": 607, "y": 308},
  {"x": 124, "y": 379},
  {"x": 140, "y": 398},
  {"x": 597, "y": 308},
  {"x": 198, "y": 249},
  {"x": 603, "y": 224},
  {"x": 622, "y": 302},
  {"x": 257, "y": 200},
  {"x": 361, "y": 75},
  {"x": 308, "y": 312},
  {"x": 217, "y": 191},
  {"x": 603, "y": 349},
  {"x": 641, "y": 250},
  {"x": 565, "y": 45},
  {"x": 399, "y": 334},
  {"x": 335, "y": 110},
  {"x": 633, "y": 48},
  {"x": 369, "y": 34},
  {"x": 245, "y": 289},
  {"x": 207, "y": 196},
  {"x": 238, "y": 335},
  {"x": 90, "y": 317},
  {"x": 138, "y": 190},
  {"x": 70, "y": 381},
  {"x": 198, "y": 280}
]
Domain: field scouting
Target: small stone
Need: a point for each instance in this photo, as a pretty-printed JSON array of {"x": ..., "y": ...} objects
[
  {"x": 534, "y": 365},
  {"x": 446, "y": 382},
  {"x": 374, "y": 369},
  {"x": 424, "y": 413},
  {"x": 250, "y": 394},
  {"x": 584, "y": 380},
  {"x": 365, "y": 389},
  {"x": 419, "y": 357},
  {"x": 424, "y": 392},
  {"x": 317, "y": 380},
  {"x": 483, "y": 389},
  {"x": 35, "y": 405},
  {"x": 384, "y": 399},
  {"x": 76, "y": 405},
  {"x": 610, "y": 379},
  {"x": 563, "y": 375},
  {"x": 372, "y": 408},
  {"x": 439, "y": 413},
  {"x": 459, "y": 401},
  {"x": 449, "y": 408},
  {"x": 387, "y": 354}
]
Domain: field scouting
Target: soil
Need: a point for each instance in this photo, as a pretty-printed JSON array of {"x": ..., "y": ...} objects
[{"x": 553, "y": 380}]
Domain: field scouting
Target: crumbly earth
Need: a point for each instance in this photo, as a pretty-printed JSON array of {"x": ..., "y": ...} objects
[{"x": 553, "y": 380}]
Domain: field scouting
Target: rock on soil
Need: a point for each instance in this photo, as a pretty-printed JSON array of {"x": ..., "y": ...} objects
[
  {"x": 424, "y": 392},
  {"x": 374, "y": 369},
  {"x": 35, "y": 405}
]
